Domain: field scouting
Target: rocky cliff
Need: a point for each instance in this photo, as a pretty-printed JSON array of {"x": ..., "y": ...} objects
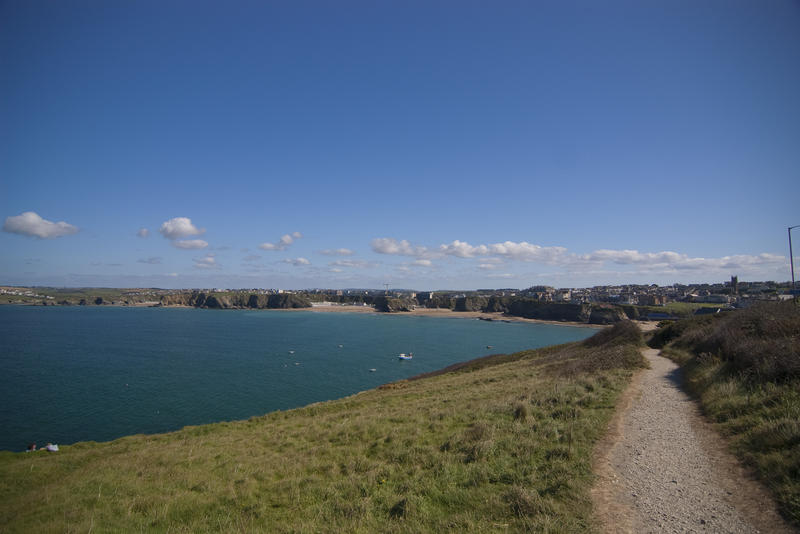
[
  {"x": 556, "y": 311},
  {"x": 236, "y": 300},
  {"x": 393, "y": 304}
]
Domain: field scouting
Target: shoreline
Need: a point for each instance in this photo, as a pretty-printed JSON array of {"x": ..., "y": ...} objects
[
  {"x": 424, "y": 312},
  {"x": 446, "y": 312},
  {"x": 645, "y": 326}
]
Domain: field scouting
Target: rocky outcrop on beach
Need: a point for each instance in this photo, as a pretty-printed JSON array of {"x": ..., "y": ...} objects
[
  {"x": 288, "y": 300},
  {"x": 393, "y": 304},
  {"x": 236, "y": 300},
  {"x": 558, "y": 311},
  {"x": 549, "y": 311},
  {"x": 606, "y": 314},
  {"x": 497, "y": 304},
  {"x": 436, "y": 301},
  {"x": 471, "y": 304}
]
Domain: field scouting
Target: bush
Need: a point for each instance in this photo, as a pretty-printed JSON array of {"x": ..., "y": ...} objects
[
  {"x": 760, "y": 342},
  {"x": 621, "y": 333},
  {"x": 672, "y": 330}
]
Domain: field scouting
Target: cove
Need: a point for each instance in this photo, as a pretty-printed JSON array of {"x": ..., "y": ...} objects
[{"x": 71, "y": 374}]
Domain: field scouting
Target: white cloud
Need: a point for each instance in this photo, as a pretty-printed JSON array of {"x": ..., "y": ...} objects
[
  {"x": 206, "y": 262},
  {"x": 190, "y": 244},
  {"x": 508, "y": 249},
  {"x": 647, "y": 262},
  {"x": 357, "y": 264},
  {"x": 490, "y": 264},
  {"x": 143, "y": 232},
  {"x": 179, "y": 227},
  {"x": 337, "y": 252},
  {"x": 630, "y": 257},
  {"x": 389, "y": 245},
  {"x": 283, "y": 243},
  {"x": 528, "y": 252},
  {"x": 503, "y": 276},
  {"x": 422, "y": 263},
  {"x": 32, "y": 225},
  {"x": 462, "y": 249},
  {"x": 297, "y": 262},
  {"x": 335, "y": 270},
  {"x": 674, "y": 261}
]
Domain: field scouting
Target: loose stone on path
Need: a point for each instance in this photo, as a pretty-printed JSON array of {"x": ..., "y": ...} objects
[{"x": 663, "y": 469}]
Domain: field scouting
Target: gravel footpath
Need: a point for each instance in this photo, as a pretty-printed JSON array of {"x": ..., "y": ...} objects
[{"x": 663, "y": 469}]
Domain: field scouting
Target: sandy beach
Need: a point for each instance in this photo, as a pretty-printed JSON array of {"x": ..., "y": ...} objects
[
  {"x": 444, "y": 312},
  {"x": 420, "y": 312}
]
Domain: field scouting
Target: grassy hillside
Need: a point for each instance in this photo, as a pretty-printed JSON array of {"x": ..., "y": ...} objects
[
  {"x": 74, "y": 296},
  {"x": 745, "y": 369},
  {"x": 498, "y": 445}
]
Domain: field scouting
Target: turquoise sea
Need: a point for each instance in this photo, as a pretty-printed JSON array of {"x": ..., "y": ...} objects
[{"x": 71, "y": 374}]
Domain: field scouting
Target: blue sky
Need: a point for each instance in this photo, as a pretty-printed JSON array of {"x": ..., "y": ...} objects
[{"x": 421, "y": 144}]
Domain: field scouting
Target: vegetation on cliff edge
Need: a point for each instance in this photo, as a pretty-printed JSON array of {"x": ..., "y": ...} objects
[{"x": 744, "y": 367}]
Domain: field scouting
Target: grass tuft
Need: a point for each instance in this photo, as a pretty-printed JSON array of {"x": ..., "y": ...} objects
[
  {"x": 520, "y": 412},
  {"x": 524, "y": 502}
]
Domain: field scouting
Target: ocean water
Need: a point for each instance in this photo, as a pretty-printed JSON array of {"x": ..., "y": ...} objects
[{"x": 71, "y": 374}]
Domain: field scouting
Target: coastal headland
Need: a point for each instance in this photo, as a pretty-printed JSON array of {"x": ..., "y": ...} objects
[
  {"x": 445, "y": 312},
  {"x": 501, "y": 307}
]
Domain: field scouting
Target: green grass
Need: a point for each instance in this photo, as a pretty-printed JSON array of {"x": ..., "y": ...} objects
[
  {"x": 743, "y": 368},
  {"x": 496, "y": 446},
  {"x": 75, "y": 295},
  {"x": 681, "y": 309}
]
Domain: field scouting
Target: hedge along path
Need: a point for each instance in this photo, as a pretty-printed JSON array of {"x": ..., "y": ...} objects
[{"x": 662, "y": 467}]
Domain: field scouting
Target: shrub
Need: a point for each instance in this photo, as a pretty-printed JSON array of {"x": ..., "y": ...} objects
[
  {"x": 760, "y": 342},
  {"x": 671, "y": 330},
  {"x": 520, "y": 412},
  {"x": 525, "y": 503},
  {"x": 623, "y": 332}
]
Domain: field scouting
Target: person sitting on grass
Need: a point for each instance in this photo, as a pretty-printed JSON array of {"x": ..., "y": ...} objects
[
  {"x": 51, "y": 448},
  {"x": 31, "y": 447}
]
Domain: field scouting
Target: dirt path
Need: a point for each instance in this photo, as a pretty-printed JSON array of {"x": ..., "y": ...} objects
[{"x": 661, "y": 468}]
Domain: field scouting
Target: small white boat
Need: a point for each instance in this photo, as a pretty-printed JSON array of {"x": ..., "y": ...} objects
[
  {"x": 372, "y": 370},
  {"x": 404, "y": 356}
]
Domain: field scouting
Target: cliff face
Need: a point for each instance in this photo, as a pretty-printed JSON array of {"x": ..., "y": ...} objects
[
  {"x": 498, "y": 304},
  {"x": 549, "y": 311},
  {"x": 553, "y": 311},
  {"x": 288, "y": 301},
  {"x": 606, "y": 315},
  {"x": 392, "y": 304},
  {"x": 471, "y": 303},
  {"x": 224, "y": 301}
]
